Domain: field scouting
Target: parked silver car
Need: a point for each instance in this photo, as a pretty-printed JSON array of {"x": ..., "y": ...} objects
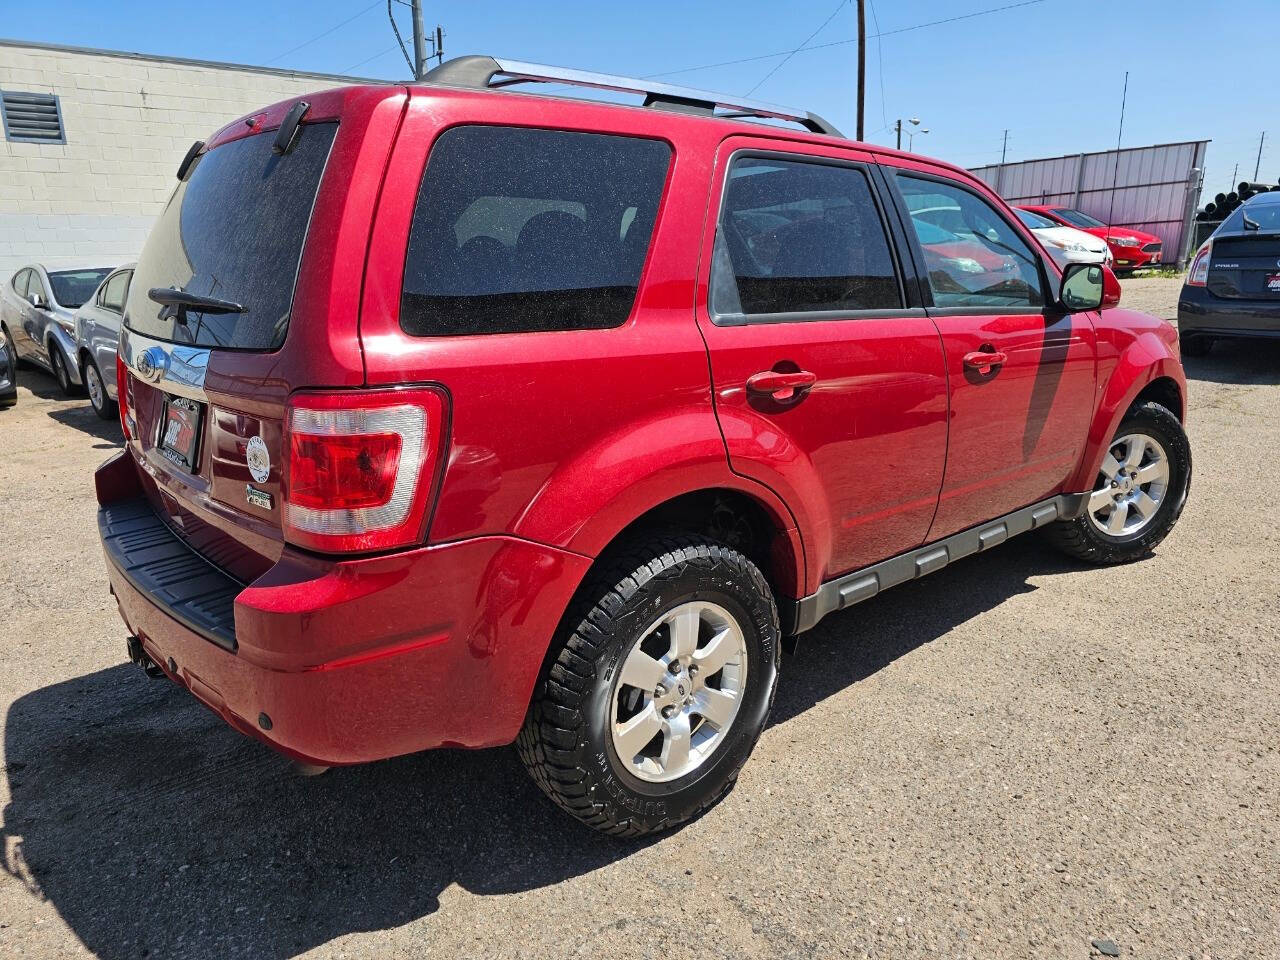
[
  {"x": 97, "y": 335},
  {"x": 36, "y": 312}
]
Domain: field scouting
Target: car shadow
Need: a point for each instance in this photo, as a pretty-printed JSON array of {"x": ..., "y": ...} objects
[
  {"x": 41, "y": 384},
  {"x": 81, "y": 416},
  {"x": 156, "y": 830},
  {"x": 1237, "y": 361}
]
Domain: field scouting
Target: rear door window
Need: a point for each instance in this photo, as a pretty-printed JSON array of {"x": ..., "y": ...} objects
[
  {"x": 20, "y": 282},
  {"x": 519, "y": 229},
  {"x": 799, "y": 237},
  {"x": 972, "y": 256},
  {"x": 233, "y": 230},
  {"x": 114, "y": 290}
]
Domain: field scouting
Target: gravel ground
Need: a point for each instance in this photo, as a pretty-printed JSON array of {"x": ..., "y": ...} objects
[{"x": 1012, "y": 758}]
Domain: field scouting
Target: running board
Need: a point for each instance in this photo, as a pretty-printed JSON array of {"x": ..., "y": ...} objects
[{"x": 864, "y": 584}]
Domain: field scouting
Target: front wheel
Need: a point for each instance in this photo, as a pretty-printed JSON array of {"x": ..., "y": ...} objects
[
  {"x": 60, "y": 372},
  {"x": 102, "y": 404},
  {"x": 659, "y": 689},
  {"x": 1138, "y": 495}
]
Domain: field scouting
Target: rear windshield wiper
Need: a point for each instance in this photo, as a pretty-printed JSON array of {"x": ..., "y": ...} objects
[
  {"x": 178, "y": 302},
  {"x": 1250, "y": 224}
]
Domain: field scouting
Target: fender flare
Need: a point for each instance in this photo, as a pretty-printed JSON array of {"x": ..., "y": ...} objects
[
  {"x": 1146, "y": 359},
  {"x": 588, "y": 501}
]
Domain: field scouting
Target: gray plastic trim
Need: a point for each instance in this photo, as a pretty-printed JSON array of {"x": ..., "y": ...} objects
[{"x": 864, "y": 584}]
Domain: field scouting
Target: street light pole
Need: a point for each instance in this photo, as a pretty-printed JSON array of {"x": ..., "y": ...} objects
[
  {"x": 419, "y": 42},
  {"x": 915, "y": 122},
  {"x": 862, "y": 64}
]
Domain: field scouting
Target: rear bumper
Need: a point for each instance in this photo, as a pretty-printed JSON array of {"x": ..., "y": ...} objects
[
  {"x": 343, "y": 661},
  {"x": 1199, "y": 311}
]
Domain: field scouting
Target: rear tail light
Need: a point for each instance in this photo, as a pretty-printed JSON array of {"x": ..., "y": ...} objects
[
  {"x": 124, "y": 398},
  {"x": 360, "y": 468},
  {"x": 1198, "y": 275}
]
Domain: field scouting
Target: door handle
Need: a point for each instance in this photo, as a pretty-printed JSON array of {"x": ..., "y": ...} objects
[
  {"x": 984, "y": 360},
  {"x": 781, "y": 385}
]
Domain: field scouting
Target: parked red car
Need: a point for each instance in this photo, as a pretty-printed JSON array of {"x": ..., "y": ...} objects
[
  {"x": 457, "y": 416},
  {"x": 1131, "y": 248}
]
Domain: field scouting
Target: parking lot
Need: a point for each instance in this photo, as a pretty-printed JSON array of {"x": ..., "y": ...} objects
[{"x": 1012, "y": 758}]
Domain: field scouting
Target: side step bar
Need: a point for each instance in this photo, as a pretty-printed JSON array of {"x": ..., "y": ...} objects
[{"x": 864, "y": 584}]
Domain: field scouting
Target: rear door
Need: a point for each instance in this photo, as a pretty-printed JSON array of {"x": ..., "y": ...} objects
[
  {"x": 828, "y": 376},
  {"x": 1021, "y": 372},
  {"x": 102, "y": 329},
  {"x": 15, "y": 313}
]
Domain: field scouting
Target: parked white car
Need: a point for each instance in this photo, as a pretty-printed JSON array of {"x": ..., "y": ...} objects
[
  {"x": 97, "y": 335},
  {"x": 36, "y": 312},
  {"x": 1065, "y": 244}
]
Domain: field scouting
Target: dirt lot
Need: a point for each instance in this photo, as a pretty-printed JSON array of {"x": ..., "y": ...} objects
[{"x": 1009, "y": 759}]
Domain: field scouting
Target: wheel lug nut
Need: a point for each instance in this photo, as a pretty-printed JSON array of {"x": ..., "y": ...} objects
[
  {"x": 668, "y": 712},
  {"x": 673, "y": 666},
  {"x": 659, "y": 692},
  {"x": 693, "y": 670}
]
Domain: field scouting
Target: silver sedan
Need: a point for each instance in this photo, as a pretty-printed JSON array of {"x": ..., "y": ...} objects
[
  {"x": 37, "y": 309},
  {"x": 97, "y": 335}
]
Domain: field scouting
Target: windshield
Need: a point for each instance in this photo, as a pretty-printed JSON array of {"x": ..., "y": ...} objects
[
  {"x": 72, "y": 288},
  {"x": 1076, "y": 218},
  {"x": 1033, "y": 221},
  {"x": 232, "y": 231}
]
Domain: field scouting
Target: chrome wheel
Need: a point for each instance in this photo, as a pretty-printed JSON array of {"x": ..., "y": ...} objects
[
  {"x": 93, "y": 383},
  {"x": 1131, "y": 486},
  {"x": 678, "y": 691}
]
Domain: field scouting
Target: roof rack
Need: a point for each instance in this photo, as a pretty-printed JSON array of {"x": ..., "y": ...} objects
[{"x": 488, "y": 73}]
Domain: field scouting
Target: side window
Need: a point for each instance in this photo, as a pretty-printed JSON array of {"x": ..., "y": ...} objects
[
  {"x": 20, "y": 283},
  {"x": 799, "y": 237},
  {"x": 113, "y": 292},
  {"x": 36, "y": 285},
  {"x": 973, "y": 257},
  {"x": 519, "y": 230}
]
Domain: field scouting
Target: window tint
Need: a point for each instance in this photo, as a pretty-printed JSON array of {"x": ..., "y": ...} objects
[
  {"x": 234, "y": 230},
  {"x": 519, "y": 230},
  {"x": 113, "y": 291},
  {"x": 973, "y": 257},
  {"x": 20, "y": 282},
  {"x": 797, "y": 237},
  {"x": 1033, "y": 221},
  {"x": 1076, "y": 218}
]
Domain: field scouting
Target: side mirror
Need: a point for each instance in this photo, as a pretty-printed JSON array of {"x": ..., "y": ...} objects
[
  {"x": 1110, "y": 288},
  {"x": 1083, "y": 287},
  {"x": 37, "y": 301}
]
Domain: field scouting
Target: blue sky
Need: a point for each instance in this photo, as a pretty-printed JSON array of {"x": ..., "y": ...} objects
[{"x": 1049, "y": 71}]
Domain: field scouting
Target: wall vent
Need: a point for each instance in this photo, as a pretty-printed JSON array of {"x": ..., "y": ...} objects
[{"x": 31, "y": 117}]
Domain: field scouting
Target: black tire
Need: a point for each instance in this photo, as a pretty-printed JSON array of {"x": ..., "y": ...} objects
[
  {"x": 107, "y": 411},
  {"x": 566, "y": 743},
  {"x": 1194, "y": 344},
  {"x": 13, "y": 349},
  {"x": 60, "y": 372},
  {"x": 1080, "y": 538}
]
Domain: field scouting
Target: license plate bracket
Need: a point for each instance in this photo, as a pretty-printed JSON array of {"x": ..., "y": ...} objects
[{"x": 180, "y": 430}]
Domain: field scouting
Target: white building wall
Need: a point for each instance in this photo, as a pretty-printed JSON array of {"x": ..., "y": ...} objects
[{"x": 128, "y": 120}]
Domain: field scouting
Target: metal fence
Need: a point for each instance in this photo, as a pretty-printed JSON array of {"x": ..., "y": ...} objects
[{"x": 1155, "y": 189}]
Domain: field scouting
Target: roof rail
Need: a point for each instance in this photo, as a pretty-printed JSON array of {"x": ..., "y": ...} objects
[{"x": 487, "y": 73}]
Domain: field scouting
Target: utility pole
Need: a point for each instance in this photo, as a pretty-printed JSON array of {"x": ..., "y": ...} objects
[
  {"x": 898, "y": 125},
  {"x": 1258, "y": 165},
  {"x": 1232, "y": 185},
  {"x": 419, "y": 42},
  {"x": 862, "y": 63},
  {"x": 1004, "y": 147},
  {"x": 439, "y": 44}
]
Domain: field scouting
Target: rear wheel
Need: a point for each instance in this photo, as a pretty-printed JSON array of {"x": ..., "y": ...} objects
[
  {"x": 1194, "y": 344},
  {"x": 12, "y": 347},
  {"x": 1139, "y": 493},
  {"x": 102, "y": 404},
  {"x": 661, "y": 685}
]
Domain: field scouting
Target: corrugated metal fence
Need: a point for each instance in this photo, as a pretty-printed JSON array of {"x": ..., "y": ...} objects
[{"x": 1148, "y": 188}]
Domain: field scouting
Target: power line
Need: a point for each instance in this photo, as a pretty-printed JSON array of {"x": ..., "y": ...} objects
[
  {"x": 884, "y": 114},
  {"x": 355, "y": 66},
  {"x": 781, "y": 63},
  {"x": 321, "y": 36},
  {"x": 839, "y": 43}
]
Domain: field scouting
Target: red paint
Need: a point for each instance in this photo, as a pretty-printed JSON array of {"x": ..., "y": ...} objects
[
  {"x": 858, "y": 437},
  {"x": 1128, "y": 257}
]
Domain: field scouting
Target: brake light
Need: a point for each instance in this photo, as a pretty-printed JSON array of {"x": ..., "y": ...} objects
[
  {"x": 360, "y": 468},
  {"x": 124, "y": 398},
  {"x": 1198, "y": 275}
]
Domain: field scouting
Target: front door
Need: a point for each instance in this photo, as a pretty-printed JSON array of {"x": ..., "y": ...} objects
[
  {"x": 1021, "y": 371},
  {"x": 828, "y": 382}
]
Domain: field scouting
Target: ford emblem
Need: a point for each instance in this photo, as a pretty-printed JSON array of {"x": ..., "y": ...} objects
[{"x": 150, "y": 364}]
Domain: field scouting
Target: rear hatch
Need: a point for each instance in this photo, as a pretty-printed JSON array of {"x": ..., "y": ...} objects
[
  {"x": 1245, "y": 266},
  {"x": 247, "y": 291}
]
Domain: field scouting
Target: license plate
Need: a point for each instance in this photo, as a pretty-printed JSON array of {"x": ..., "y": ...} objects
[
  {"x": 1273, "y": 282},
  {"x": 180, "y": 433}
]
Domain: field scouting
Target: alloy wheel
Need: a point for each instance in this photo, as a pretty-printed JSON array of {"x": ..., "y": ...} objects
[
  {"x": 93, "y": 383},
  {"x": 1132, "y": 485},
  {"x": 678, "y": 691}
]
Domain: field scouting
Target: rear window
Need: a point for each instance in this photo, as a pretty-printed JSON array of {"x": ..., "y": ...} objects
[
  {"x": 1078, "y": 219},
  {"x": 519, "y": 230},
  {"x": 233, "y": 230}
]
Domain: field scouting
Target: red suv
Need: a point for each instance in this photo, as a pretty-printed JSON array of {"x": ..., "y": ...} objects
[{"x": 456, "y": 416}]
